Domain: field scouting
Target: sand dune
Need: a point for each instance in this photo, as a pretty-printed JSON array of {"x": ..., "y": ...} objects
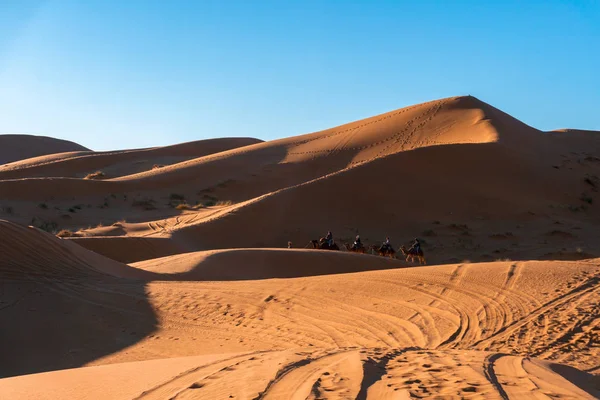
[
  {"x": 212, "y": 304},
  {"x": 19, "y": 147},
  {"x": 46, "y": 323},
  {"x": 407, "y": 207},
  {"x": 413, "y": 329},
  {"x": 43, "y": 159},
  {"x": 117, "y": 163},
  {"x": 454, "y": 120},
  {"x": 128, "y": 249},
  {"x": 245, "y": 264},
  {"x": 31, "y": 253},
  {"x": 494, "y": 173}
]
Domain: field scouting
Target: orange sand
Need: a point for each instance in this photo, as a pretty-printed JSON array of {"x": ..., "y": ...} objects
[{"x": 175, "y": 281}]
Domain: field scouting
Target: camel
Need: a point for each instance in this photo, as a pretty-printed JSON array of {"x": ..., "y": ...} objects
[
  {"x": 352, "y": 249},
  {"x": 413, "y": 254},
  {"x": 322, "y": 244},
  {"x": 391, "y": 253}
]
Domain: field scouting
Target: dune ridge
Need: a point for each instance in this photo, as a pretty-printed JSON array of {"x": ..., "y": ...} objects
[
  {"x": 250, "y": 264},
  {"x": 118, "y": 162},
  {"x": 345, "y": 145},
  {"x": 29, "y": 253},
  {"x": 19, "y": 147}
]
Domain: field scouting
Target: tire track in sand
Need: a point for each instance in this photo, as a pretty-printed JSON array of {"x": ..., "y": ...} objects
[{"x": 301, "y": 379}]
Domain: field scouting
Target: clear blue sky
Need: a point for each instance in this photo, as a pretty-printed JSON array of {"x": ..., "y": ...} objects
[{"x": 137, "y": 73}]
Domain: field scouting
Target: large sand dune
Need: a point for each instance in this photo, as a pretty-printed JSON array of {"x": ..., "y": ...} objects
[
  {"x": 174, "y": 282},
  {"x": 20, "y": 147},
  {"x": 32, "y": 253},
  {"x": 448, "y": 121}
]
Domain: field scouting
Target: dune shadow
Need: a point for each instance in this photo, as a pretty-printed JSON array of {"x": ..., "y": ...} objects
[
  {"x": 52, "y": 324},
  {"x": 583, "y": 380},
  {"x": 128, "y": 249},
  {"x": 374, "y": 370},
  {"x": 62, "y": 306},
  {"x": 256, "y": 264},
  {"x": 567, "y": 256}
]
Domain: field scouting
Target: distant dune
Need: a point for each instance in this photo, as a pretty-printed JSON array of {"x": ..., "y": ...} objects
[
  {"x": 171, "y": 277},
  {"x": 117, "y": 163},
  {"x": 20, "y": 147},
  {"x": 248, "y": 264}
]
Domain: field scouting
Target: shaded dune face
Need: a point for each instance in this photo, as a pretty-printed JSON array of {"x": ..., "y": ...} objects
[
  {"x": 252, "y": 264},
  {"x": 58, "y": 303},
  {"x": 20, "y": 147},
  {"x": 173, "y": 280}
]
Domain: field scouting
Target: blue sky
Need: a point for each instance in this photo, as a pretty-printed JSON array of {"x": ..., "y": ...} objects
[{"x": 123, "y": 74}]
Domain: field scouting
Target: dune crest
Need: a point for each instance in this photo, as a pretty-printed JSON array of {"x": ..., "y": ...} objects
[
  {"x": 116, "y": 163},
  {"x": 20, "y": 147},
  {"x": 29, "y": 253},
  {"x": 248, "y": 264}
]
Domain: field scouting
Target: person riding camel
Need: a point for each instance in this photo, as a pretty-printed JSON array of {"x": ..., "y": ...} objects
[
  {"x": 357, "y": 243},
  {"x": 386, "y": 245},
  {"x": 416, "y": 247},
  {"x": 329, "y": 238}
]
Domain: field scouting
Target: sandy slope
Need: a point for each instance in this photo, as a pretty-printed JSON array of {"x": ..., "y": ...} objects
[
  {"x": 213, "y": 306},
  {"x": 19, "y": 147},
  {"x": 509, "y": 307},
  {"x": 117, "y": 163},
  {"x": 314, "y": 374},
  {"x": 508, "y": 208},
  {"x": 455, "y": 120},
  {"x": 29, "y": 252},
  {"x": 45, "y": 323},
  {"x": 483, "y": 205},
  {"x": 419, "y": 331},
  {"x": 248, "y": 264}
]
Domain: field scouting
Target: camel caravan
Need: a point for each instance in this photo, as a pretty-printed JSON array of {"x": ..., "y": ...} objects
[{"x": 414, "y": 253}]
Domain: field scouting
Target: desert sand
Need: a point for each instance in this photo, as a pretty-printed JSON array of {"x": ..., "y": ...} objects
[
  {"x": 19, "y": 147},
  {"x": 167, "y": 275}
]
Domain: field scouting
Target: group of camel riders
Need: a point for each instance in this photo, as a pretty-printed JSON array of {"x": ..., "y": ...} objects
[{"x": 386, "y": 246}]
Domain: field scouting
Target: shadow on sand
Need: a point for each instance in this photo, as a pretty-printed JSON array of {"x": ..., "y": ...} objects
[{"x": 55, "y": 324}]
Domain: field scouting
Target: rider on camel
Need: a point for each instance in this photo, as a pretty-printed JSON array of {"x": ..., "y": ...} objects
[
  {"x": 386, "y": 245},
  {"x": 329, "y": 238},
  {"x": 416, "y": 247},
  {"x": 357, "y": 243}
]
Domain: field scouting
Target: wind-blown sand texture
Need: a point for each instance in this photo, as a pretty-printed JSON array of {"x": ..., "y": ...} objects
[{"x": 174, "y": 282}]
